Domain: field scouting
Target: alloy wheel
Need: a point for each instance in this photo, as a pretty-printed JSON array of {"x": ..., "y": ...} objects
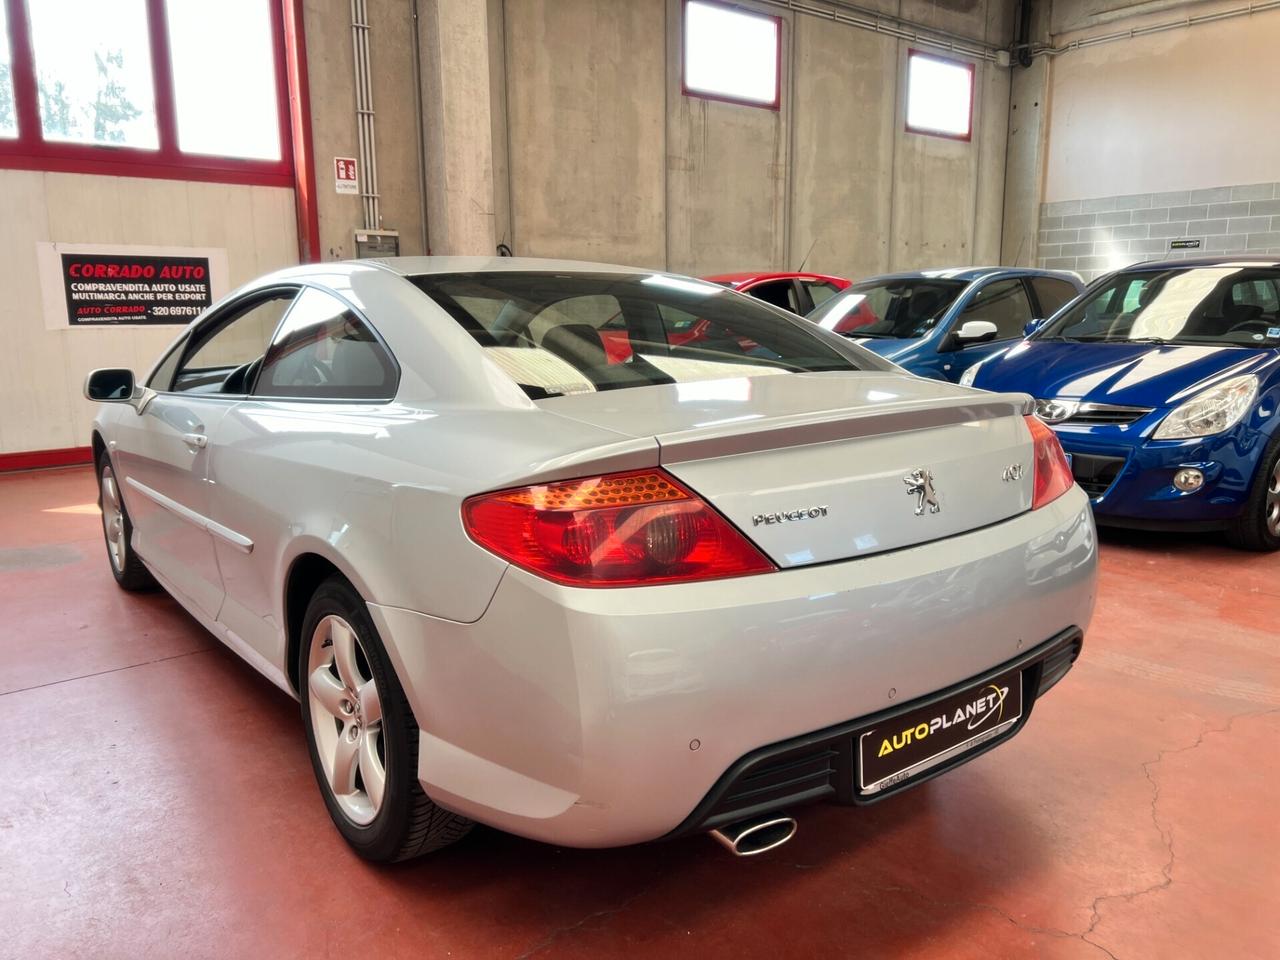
[
  {"x": 113, "y": 520},
  {"x": 346, "y": 718}
]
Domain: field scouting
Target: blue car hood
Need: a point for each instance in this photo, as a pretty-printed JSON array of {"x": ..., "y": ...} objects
[
  {"x": 1130, "y": 374},
  {"x": 888, "y": 347}
]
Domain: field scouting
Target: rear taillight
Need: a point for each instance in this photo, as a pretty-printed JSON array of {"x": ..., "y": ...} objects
[
  {"x": 1052, "y": 472},
  {"x": 622, "y": 529}
]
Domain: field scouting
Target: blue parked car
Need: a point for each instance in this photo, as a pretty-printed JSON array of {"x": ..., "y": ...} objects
[
  {"x": 1163, "y": 384},
  {"x": 938, "y": 323}
]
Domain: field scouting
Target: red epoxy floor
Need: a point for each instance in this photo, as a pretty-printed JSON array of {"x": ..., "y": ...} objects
[{"x": 156, "y": 801}]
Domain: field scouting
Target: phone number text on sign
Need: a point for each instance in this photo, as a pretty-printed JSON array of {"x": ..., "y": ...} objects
[{"x": 106, "y": 289}]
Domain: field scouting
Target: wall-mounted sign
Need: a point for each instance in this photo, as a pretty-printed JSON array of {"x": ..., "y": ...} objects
[
  {"x": 90, "y": 285},
  {"x": 345, "y": 179},
  {"x": 1185, "y": 244}
]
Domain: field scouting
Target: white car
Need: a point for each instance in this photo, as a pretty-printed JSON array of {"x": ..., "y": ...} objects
[{"x": 518, "y": 574}]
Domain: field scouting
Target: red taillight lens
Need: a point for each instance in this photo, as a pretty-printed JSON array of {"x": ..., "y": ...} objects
[
  {"x": 1052, "y": 473},
  {"x": 623, "y": 529}
]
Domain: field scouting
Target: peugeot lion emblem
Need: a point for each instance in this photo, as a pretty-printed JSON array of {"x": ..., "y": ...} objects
[{"x": 920, "y": 485}]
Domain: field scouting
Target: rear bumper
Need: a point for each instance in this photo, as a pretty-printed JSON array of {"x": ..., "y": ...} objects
[
  {"x": 823, "y": 765},
  {"x": 605, "y": 717}
]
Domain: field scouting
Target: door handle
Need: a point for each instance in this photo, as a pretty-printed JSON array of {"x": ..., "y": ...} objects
[{"x": 195, "y": 440}]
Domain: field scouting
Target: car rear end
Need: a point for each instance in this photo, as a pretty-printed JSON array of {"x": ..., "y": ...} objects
[{"x": 835, "y": 602}]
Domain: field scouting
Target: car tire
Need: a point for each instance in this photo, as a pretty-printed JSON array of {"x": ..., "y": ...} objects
[
  {"x": 362, "y": 734},
  {"x": 117, "y": 531},
  {"x": 1258, "y": 526}
]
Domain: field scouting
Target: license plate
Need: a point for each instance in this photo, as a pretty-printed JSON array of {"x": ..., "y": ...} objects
[{"x": 905, "y": 745}]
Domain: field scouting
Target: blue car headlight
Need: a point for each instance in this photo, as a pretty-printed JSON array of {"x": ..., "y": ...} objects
[
  {"x": 1210, "y": 411},
  {"x": 967, "y": 378}
]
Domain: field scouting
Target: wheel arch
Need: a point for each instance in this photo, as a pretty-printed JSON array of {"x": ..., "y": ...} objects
[{"x": 309, "y": 567}]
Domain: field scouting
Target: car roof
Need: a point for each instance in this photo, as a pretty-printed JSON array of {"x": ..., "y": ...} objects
[
  {"x": 414, "y": 266},
  {"x": 1252, "y": 260},
  {"x": 752, "y": 276},
  {"x": 970, "y": 274}
]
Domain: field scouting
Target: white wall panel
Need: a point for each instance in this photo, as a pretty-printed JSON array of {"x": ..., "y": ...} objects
[{"x": 41, "y": 370}]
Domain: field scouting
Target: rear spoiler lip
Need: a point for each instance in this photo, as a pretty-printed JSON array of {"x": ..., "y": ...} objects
[{"x": 831, "y": 425}]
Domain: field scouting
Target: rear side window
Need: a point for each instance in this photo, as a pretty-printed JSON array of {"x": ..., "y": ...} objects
[
  {"x": 1003, "y": 303},
  {"x": 1053, "y": 294},
  {"x": 325, "y": 350}
]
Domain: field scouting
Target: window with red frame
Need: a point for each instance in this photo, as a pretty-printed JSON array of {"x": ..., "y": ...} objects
[
  {"x": 939, "y": 96},
  {"x": 731, "y": 54},
  {"x": 160, "y": 88}
]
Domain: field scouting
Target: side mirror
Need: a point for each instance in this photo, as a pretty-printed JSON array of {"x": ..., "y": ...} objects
[
  {"x": 1032, "y": 326},
  {"x": 969, "y": 333},
  {"x": 110, "y": 385}
]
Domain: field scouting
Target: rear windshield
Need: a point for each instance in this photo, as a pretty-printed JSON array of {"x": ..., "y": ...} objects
[
  {"x": 1230, "y": 304},
  {"x": 558, "y": 334},
  {"x": 894, "y": 309}
]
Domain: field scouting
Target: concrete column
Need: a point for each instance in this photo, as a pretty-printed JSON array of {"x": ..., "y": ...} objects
[
  {"x": 457, "y": 106},
  {"x": 1024, "y": 165}
]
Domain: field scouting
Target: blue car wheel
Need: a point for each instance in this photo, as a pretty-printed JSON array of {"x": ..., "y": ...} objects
[{"x": 1258, "y": 526}]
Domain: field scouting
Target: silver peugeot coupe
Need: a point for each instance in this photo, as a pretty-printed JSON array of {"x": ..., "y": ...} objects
[{"x": 595, "y": 555}]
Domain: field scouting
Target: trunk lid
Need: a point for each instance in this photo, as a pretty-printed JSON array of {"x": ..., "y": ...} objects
[{"x": 827, "y": 466}]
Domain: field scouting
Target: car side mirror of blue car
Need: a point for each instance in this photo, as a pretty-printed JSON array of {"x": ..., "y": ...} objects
[
  {"x": 1032, "y": 326},
  {"x": 970, "y": 332}
]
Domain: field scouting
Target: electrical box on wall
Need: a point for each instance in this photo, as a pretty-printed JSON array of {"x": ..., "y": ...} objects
[{"x": 377, "y": 243}]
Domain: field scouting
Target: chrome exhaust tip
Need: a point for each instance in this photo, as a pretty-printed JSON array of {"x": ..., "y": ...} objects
[{"x": 746, "y": 838}]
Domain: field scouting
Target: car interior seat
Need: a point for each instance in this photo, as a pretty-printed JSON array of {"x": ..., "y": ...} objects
[
  {"x": 1238, "y": 315},
  {"x": 1122, "y": 325},
  {"x": 357, "y": 363},
  {"x": 578, "y": 343},
  {"x": 921, "y": 307},
  {"x": 241, "y": 378}
]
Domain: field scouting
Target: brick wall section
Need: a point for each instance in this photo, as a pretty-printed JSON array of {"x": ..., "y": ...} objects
[{"x": 1095, "y": 236}]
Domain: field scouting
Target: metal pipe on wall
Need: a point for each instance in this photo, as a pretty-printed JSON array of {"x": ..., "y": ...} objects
[
  {"x": 838, "y": 11},
  {"x": 847, "y": 13},
  {"x": 1181, "y": 23},
  {"x": 367, "y": 144},
  {"x": 419, "y": 126}
]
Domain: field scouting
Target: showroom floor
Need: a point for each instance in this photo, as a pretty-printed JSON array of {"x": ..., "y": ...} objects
[{"x": 156, "y": 800}]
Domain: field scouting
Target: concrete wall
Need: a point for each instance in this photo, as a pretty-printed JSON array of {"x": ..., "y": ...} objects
[
  {"x": 585, "y": 124},
  {"x": 392, "y": 35},
  {"x": 607, "y": 159},
  {"x": 42, "y": 371}
]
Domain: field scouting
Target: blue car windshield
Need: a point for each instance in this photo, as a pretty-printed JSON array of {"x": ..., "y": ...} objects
[
  {"x": 901, "y": 309},
  {"x": 1221, "y": 305}
]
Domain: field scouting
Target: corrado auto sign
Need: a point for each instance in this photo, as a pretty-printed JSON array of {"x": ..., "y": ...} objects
[
  {"x": 99, "y": 286},
  {"x": 104, "y": 289}
]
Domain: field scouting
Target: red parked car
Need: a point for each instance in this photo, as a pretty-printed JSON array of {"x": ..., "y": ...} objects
[{"x": 797, "y": 292}]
